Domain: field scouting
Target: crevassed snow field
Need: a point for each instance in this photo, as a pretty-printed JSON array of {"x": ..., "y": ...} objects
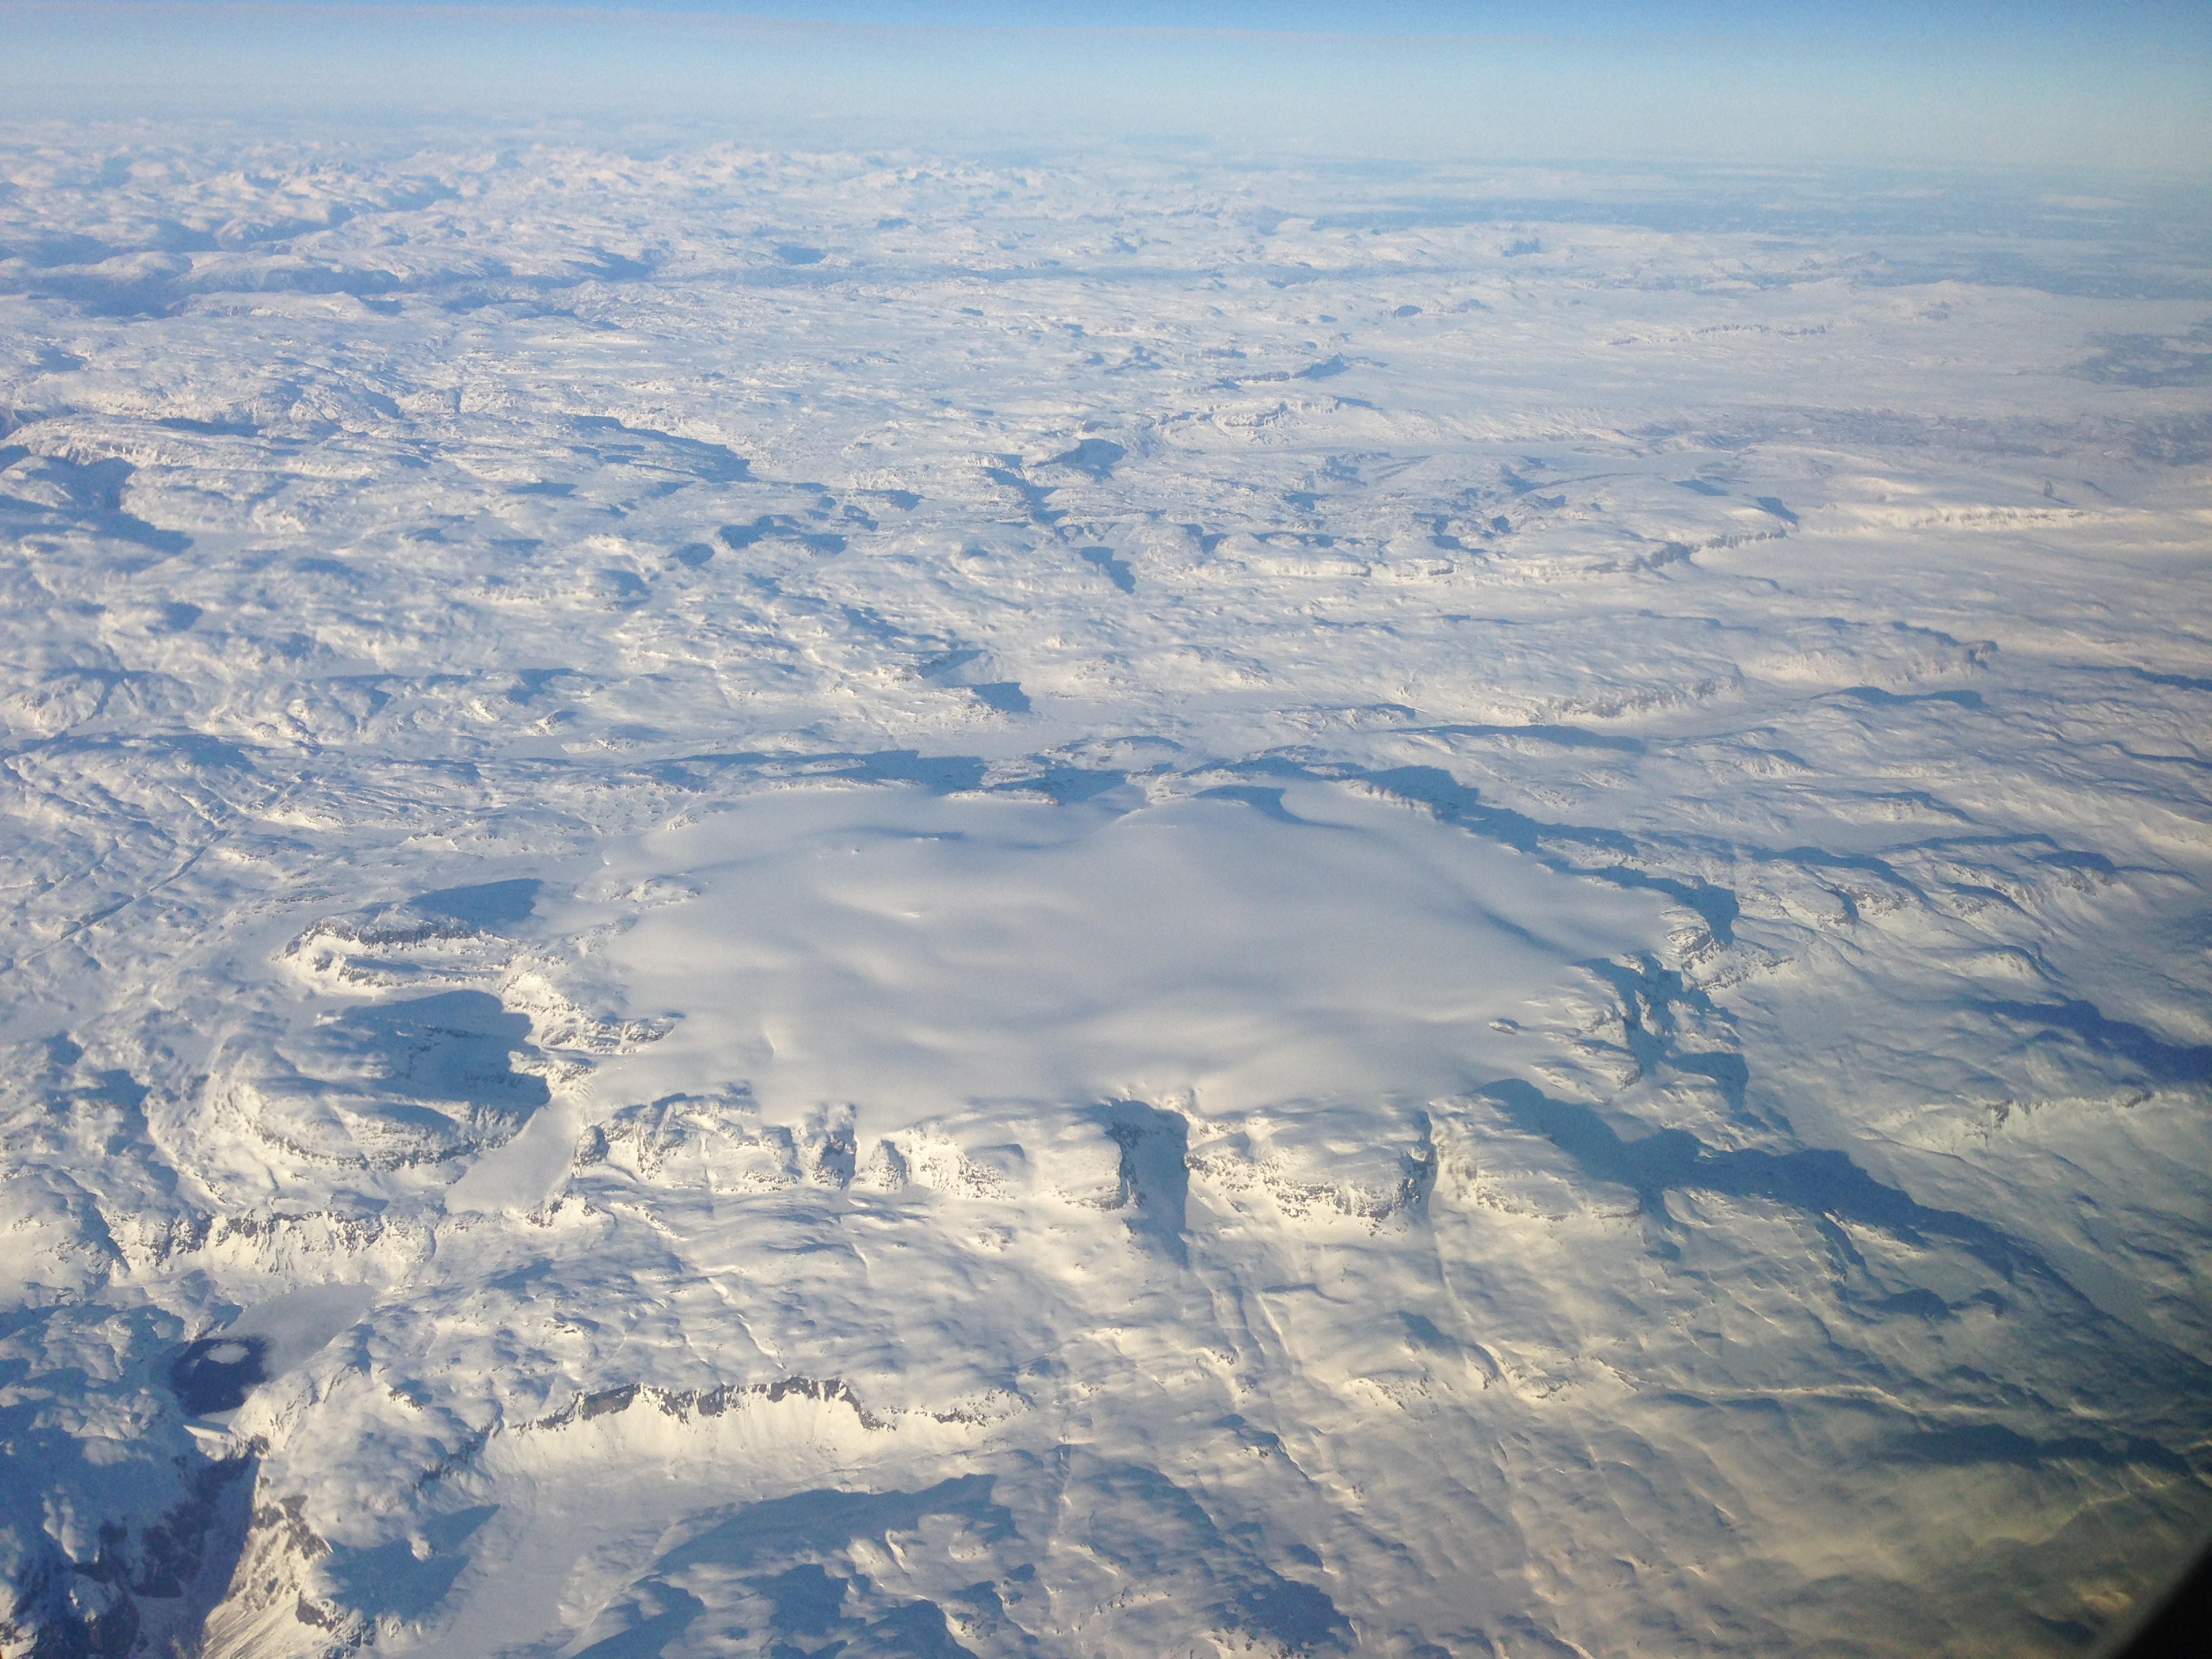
[{"x": 891, "y": 903}]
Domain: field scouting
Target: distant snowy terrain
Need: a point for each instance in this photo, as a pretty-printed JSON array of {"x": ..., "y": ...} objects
[{"x": 775, "y": 903}]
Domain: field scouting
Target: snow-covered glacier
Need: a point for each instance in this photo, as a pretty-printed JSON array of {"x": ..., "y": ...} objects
[{"x": 785, "y": 902}]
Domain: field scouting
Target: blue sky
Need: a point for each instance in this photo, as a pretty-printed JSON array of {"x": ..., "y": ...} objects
[
  {"x": 2101, "y": 23},
  {"x": 2047, "y": 20},
  {"x": 2108, "y": 24},
  {"x": 2076, "y": 87}
]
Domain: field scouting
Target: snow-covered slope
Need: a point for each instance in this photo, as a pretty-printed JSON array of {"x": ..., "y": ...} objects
[{"x": 761, "y": 899}]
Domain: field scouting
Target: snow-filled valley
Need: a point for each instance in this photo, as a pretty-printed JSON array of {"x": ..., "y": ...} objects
[{"x": 787, "y": 903}]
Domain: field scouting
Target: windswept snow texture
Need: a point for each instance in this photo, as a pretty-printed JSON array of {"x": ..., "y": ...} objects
[{"x": 786, "y": 904}]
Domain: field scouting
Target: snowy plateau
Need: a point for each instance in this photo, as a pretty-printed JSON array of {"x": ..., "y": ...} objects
[{"x": 781, "y": 903}]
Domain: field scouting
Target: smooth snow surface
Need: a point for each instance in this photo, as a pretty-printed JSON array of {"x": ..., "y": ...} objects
[
  {"x": 765, "y": 903},
  {"x": 915, "y": 956}
]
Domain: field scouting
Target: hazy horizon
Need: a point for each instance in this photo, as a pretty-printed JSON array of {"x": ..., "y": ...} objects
[{"x": 1910, "y": 87}]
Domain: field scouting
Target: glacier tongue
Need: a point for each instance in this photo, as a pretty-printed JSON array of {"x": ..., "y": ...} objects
[{"x": 761, "y": 899}]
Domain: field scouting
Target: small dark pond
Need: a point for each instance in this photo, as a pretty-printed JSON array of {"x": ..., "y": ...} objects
[{"x": 215, "y": 1374}]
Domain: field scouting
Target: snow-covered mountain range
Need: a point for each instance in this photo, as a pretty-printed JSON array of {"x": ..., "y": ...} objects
[{"x": 901, "y": 903}]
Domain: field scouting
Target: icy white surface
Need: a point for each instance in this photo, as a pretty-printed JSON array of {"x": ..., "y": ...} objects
[
  {"x": 965, "y": 905},
  {"x": 922, "y": 954}
]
